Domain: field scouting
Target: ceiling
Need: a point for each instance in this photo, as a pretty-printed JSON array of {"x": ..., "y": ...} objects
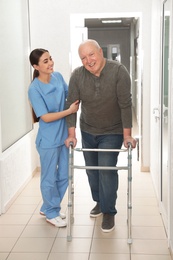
[{"x": 97, "y": 22}]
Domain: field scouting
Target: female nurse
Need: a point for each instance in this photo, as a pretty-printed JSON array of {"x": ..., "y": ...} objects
[{"x": 47, "y": 94}]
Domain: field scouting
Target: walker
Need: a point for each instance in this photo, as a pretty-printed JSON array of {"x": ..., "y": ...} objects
[{"x": 128, "y": 167}]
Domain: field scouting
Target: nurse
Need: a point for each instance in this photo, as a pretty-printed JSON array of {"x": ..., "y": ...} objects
[{"x": 47, "y": 94}]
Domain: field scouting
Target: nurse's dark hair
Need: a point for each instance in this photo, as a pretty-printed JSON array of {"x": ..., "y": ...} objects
[{"x": 34, "y": 58}]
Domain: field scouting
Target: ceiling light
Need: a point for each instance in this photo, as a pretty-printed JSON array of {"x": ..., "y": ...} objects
[{"x": 111, "y": 21}]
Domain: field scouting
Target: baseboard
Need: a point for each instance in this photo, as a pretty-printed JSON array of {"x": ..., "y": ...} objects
[
  {"x": 145, "y": 169},
  {"x": 8, "y": 205}
]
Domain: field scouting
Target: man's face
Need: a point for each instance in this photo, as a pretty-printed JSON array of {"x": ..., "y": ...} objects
[{"x": 92, "y": 58}]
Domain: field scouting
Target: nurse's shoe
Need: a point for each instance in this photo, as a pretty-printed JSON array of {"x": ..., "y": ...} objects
[
  {"x": 62, "y": 215},
  {"x": 57, "y": 222}
]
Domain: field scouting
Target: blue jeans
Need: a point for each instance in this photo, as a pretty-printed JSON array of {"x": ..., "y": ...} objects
[{"x": 103, "y": 183}]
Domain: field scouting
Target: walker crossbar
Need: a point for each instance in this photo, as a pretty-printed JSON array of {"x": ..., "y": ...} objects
[
  {"x": 71, "y": 184},
  {"x": 100, "y": 167},
  {"x": 99, "y": 150}
]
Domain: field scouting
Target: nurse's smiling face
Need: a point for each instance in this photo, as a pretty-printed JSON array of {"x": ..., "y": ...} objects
[{"x": 45, "y": 64}]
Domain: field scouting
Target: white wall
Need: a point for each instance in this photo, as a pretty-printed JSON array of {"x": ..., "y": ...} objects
[
  {"x": 18, "y": 158},
  {"x": 14, "y": 52},
  {"x": 155, "y": 94},
  {"x": 170, "y": 219},
  {"x": 17, "y": 164}
]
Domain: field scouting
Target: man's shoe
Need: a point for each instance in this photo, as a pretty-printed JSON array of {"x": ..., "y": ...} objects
[
  {"x": 57, "y": 222},
  {"x": 62, "y": 215},
  {"x": 96, "y": 211},
  {"x": 108, "y": 223}
]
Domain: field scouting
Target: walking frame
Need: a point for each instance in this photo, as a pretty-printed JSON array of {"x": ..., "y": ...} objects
[{"x": 128, "y": 167}]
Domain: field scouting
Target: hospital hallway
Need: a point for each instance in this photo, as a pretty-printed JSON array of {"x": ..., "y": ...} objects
[{"x": 25, "y": 234}]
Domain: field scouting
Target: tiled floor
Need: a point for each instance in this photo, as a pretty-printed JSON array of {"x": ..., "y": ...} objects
[{"x": 25, "y": 235}]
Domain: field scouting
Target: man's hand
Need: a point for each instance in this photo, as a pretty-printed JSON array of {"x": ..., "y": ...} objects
[
  {"x": 70, "y": 140},
  {"x": 129, "y": 139}
]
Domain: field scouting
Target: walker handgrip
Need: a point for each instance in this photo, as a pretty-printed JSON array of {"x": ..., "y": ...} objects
[
  {"x": 71, "y": 144},
  {"x": 129, "y": 145}
]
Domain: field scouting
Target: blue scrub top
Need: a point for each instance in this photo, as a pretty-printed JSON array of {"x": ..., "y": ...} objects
[{"x": 46, "y": 98}]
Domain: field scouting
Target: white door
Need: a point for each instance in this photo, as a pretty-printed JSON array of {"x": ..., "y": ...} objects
[
  {"x": 78, "y": 35},
  {"x": 160, "y": 112}
]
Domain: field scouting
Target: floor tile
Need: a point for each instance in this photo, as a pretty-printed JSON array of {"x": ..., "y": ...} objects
[
  {"x": 145, "y": 210},
  {"x": 81, "y": 209},
  {"x": 150, "y": 257},
  {"x": 21, "y": 209},
  {"x": 3, "y": 256},
  {"x": 148, "y": 232},
  {"x": 145, "y": 201},
  {"x": 14, "y": 219},
  {"x": 68, "y": 256},
  {"x": 28, "y": 256},
  {"x": 7, "y": 243},
  {"x": 11, "y": 230},
  {"x": 77, "y": 232},
  {"x": 83, "y": 219},
  {"x": 77, "y": 245},
  {"x": 113, "y": 246},
  {"x": 147, "y": 221},
  {"x": 148, "y": 246},
  {"x": 34, "y": 245},
  {"x": 40, "y": 231},
  {"x": 27, "y": 200},
  {"x": 109, "y": 257},
  {"x": 37, "y": 219},
  {"x": 30, "y": 191}
]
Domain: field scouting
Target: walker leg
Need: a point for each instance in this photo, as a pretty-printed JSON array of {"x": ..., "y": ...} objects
[
  {"x": 70, "y": 196},
  {"x": 129, "y": 196}
]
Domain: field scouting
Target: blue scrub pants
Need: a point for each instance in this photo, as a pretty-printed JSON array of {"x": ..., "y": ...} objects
[
  {"x": 103, "y": 183},
  {"x": 54, "y": 179}
]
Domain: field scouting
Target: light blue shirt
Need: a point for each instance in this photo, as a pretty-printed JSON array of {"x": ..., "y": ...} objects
[{"x": 47, "y": 98}]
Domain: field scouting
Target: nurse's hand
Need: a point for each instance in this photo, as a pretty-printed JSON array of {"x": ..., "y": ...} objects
[{"x": 74, "y": 107}]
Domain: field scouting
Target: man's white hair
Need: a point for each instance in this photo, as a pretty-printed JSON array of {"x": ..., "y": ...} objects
[{"x": 89, "y": 41}]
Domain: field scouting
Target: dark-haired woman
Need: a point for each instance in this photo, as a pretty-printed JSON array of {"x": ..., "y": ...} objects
[{"x": 47, "y": 94}]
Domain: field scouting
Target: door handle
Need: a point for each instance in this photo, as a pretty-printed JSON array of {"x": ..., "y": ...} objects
[{"x": 156, "y": 113}]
